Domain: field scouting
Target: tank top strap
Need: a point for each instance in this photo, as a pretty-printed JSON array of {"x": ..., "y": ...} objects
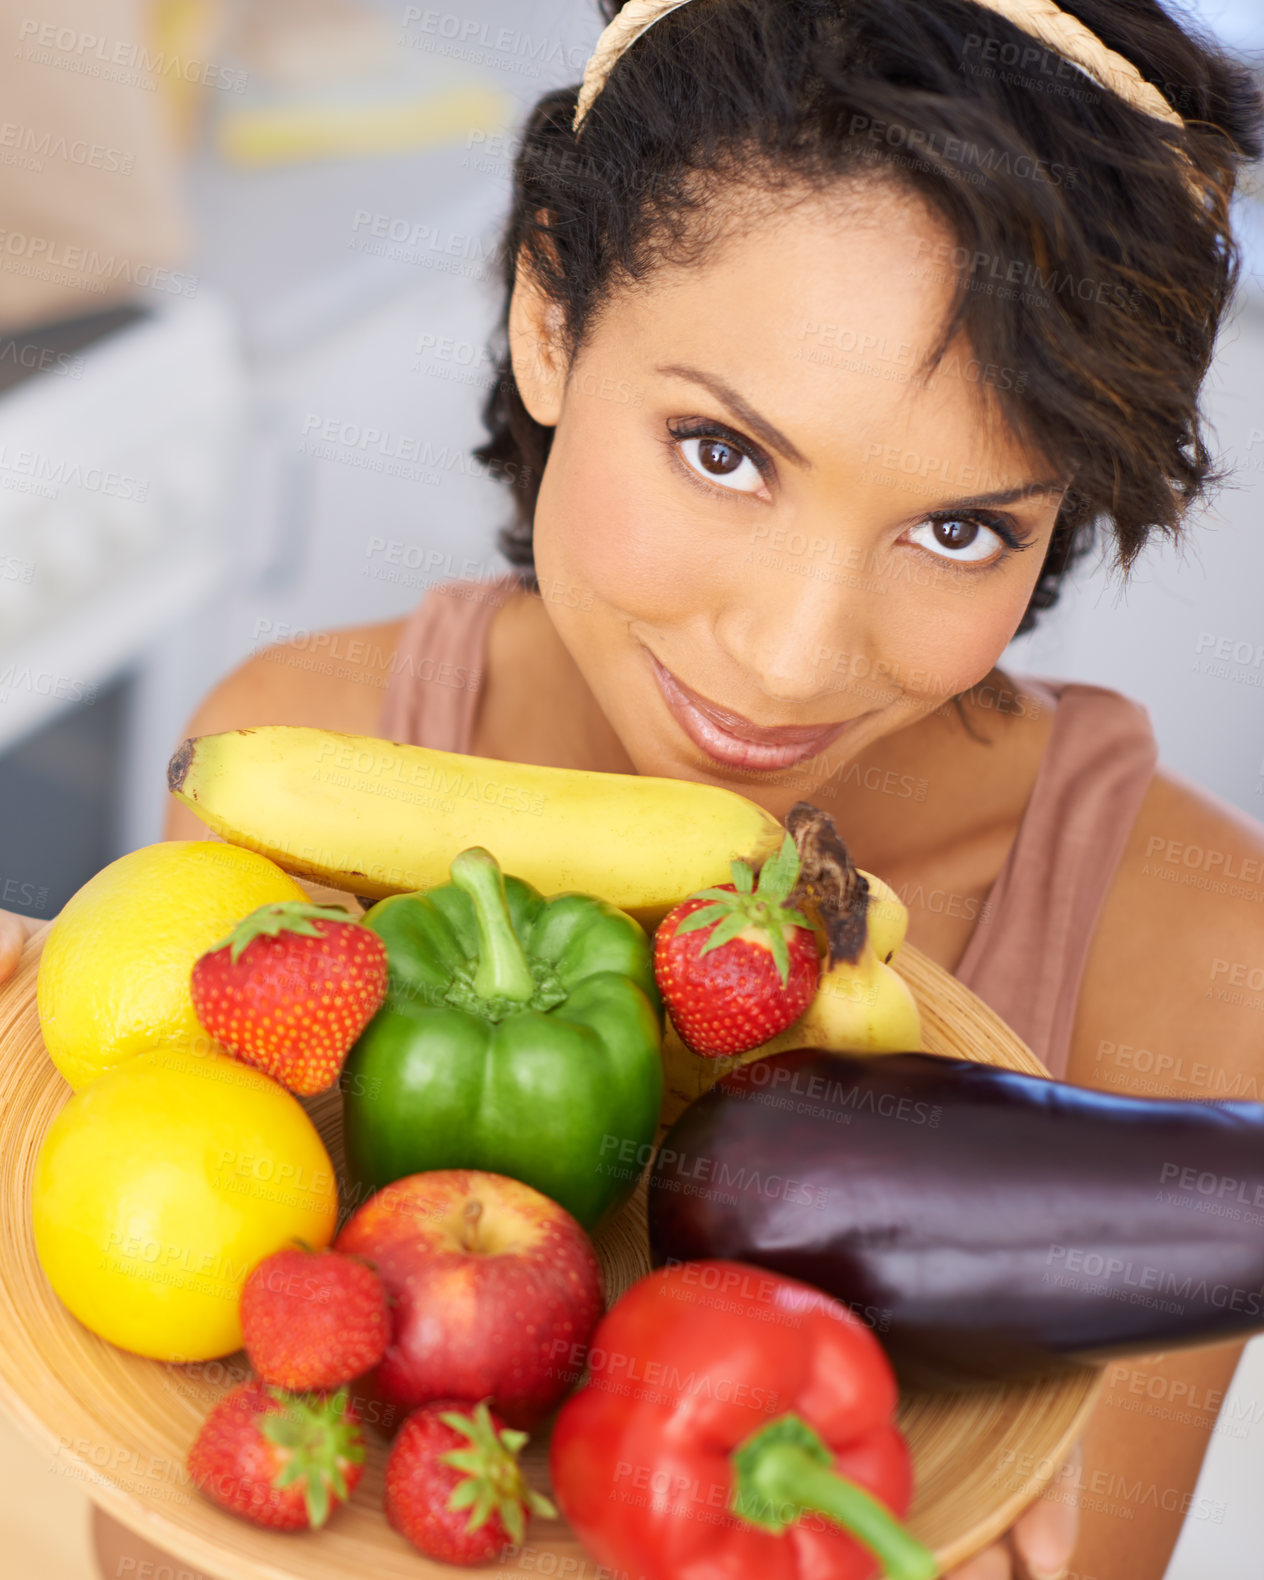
[
  {"x": 1027, "y": 954},
  {"x": 432, "y": 694}
]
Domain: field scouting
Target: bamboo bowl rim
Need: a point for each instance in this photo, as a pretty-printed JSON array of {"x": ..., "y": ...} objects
[{"x": 122, "y": 1424}]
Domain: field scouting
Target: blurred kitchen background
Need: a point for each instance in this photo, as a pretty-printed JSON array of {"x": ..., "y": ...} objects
[{"x": 280, "y": 275}]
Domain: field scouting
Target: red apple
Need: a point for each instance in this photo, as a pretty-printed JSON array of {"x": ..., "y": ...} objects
[{"x": 494, "y": 1291}]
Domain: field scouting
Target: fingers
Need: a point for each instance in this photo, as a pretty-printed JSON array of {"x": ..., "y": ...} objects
[
  {"x": 1041, "y": 1542},
  {"x": 12, "y": 938},
  {"x": 993, "y": 1563},
  {"x": 1044, "y": 1535}
]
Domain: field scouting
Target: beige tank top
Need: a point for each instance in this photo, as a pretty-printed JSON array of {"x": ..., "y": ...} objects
[{"x": 1027, "y": 953}]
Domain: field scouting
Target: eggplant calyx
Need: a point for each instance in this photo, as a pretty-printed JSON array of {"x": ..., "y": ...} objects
[
  {"x": 830, "y": 888},
  {"x": 786, "y": 1470}
]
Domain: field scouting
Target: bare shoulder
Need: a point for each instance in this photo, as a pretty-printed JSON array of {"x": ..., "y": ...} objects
[
  {"x": 1173, "y": 995},
  {"x": 331, "y": 680}
]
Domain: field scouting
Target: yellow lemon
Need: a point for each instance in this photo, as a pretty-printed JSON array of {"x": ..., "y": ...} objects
[
  {"x": 162, "y": 1185},
  {"x": 114, "y": 974}
]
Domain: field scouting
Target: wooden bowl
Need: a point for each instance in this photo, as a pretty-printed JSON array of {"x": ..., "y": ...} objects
[{"x": 122, "y": 1425}]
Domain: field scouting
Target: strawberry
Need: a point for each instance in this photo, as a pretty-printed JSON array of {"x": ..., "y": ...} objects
[
  {"x": 448, "y": 1459},
  {"x": 281, "y": 1460},
  {"x": 755, "y": 970},
  {"x": 290, "y": 989},
  {"x": 313, "y": 1319}
]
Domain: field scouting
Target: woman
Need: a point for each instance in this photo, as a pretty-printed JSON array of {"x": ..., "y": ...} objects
[{"x": 834, "y": 330}]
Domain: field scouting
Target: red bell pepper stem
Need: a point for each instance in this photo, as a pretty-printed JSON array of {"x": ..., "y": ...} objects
[{"x": 785, "y": 1469}]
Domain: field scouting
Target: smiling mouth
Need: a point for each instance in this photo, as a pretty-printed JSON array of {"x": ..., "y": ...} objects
[{"x": 734, "y": 741}]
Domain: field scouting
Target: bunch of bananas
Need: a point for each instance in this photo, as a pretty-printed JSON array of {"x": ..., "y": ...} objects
[{"x": 376, "y": 817}]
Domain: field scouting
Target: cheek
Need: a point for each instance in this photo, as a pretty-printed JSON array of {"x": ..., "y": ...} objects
[
  {"x": 943, "y": 645},
  {"x": 618, "y": 531}
]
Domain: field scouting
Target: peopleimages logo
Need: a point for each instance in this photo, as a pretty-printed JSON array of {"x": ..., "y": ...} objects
[
  {"x": 461, "y": 35},
  {"x": 44, "y": 683},
  {"x": 961, "y": 151},
  {"x": 48, "y": 474},
  {"x": 1119, "y": 1272},
  {"x": 29, "y": 148},
  {"x": 1238, "y": 659},
  {"x": 117, "y": 60},
  {"x": 87, "y": 269},
  {"x": 980, "y": 265}
]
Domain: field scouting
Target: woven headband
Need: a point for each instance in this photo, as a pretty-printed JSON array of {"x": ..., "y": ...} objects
[{"x": 1042, "y": 19}]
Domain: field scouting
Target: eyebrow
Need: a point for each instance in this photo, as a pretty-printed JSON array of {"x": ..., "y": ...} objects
[
  {"x": 1004, "y": 496},
  {"x": 772, "y": 437}
]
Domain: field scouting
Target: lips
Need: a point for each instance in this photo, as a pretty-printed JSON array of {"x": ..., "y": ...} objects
[{"x": 735, "y": 742}]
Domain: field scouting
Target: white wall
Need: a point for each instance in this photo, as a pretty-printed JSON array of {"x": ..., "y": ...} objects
[{"x": 1185, "y": 633}]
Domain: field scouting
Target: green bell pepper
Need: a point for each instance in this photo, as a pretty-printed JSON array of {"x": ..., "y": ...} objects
[{"x": 519, "y": 1035}]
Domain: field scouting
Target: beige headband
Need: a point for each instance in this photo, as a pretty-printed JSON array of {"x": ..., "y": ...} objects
[{"x": 1042, "y": 19}]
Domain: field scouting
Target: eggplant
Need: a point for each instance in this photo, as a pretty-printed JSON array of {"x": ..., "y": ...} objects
[{"x": 987, "y": 1225}]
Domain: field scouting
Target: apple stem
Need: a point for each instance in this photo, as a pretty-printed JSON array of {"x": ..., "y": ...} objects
[{"x": 473, "y": 1212}]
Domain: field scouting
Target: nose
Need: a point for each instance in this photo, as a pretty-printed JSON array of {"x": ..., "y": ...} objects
[{"x": 794, "y": 623}]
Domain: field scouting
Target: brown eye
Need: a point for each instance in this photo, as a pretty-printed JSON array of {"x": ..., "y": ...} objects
[
  {"x": 719, "y": 457},
  {"x": 721, "y": 462},
  {"x": 962, "y": 539},
  {"x": 956, "y": 534}
]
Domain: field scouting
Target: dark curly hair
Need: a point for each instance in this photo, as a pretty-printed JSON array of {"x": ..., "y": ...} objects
[{"x": 1039, "y": 174}]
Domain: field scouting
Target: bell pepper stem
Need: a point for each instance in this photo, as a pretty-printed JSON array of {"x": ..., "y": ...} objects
[
  {"x": 785, "y": 1470},
  {"x": 502, "y": 971}
]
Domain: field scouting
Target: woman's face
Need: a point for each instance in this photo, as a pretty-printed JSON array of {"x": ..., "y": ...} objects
[{"x": 763, "y": 540}]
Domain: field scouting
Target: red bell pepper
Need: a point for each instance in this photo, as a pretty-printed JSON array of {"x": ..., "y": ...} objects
[{"x": 736, "y": 1424}]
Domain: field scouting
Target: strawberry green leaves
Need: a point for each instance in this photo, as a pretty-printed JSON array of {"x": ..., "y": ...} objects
[
  {"x": 290, "y": 916},
  {"x": 318, "y": 1439},
  {"x": 494, "y": 1481},
  {"x": 758, "y": 905}
]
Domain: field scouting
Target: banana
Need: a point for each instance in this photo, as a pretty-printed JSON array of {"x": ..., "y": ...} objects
[
  {"x": 861, "y": 1006},
  {"x": 378, "y": 817},
  {"x": 887, "y": 916}
]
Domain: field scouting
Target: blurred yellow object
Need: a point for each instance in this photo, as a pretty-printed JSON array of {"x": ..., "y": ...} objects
[
  {"x": 114, "y": 974},
  {"x": 158, "y": 1190},
  {"x": 286, "y": 133},
  {"x": 185, "y": 32}
]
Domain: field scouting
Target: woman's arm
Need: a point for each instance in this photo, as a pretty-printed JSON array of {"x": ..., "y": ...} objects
[{"x": 1166, "y": 1010}]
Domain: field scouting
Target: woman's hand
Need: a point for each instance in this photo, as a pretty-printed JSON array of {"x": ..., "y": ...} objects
[
  {"x": 14, "y": 931},
  {"x": 1041, "y": 1541}
]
